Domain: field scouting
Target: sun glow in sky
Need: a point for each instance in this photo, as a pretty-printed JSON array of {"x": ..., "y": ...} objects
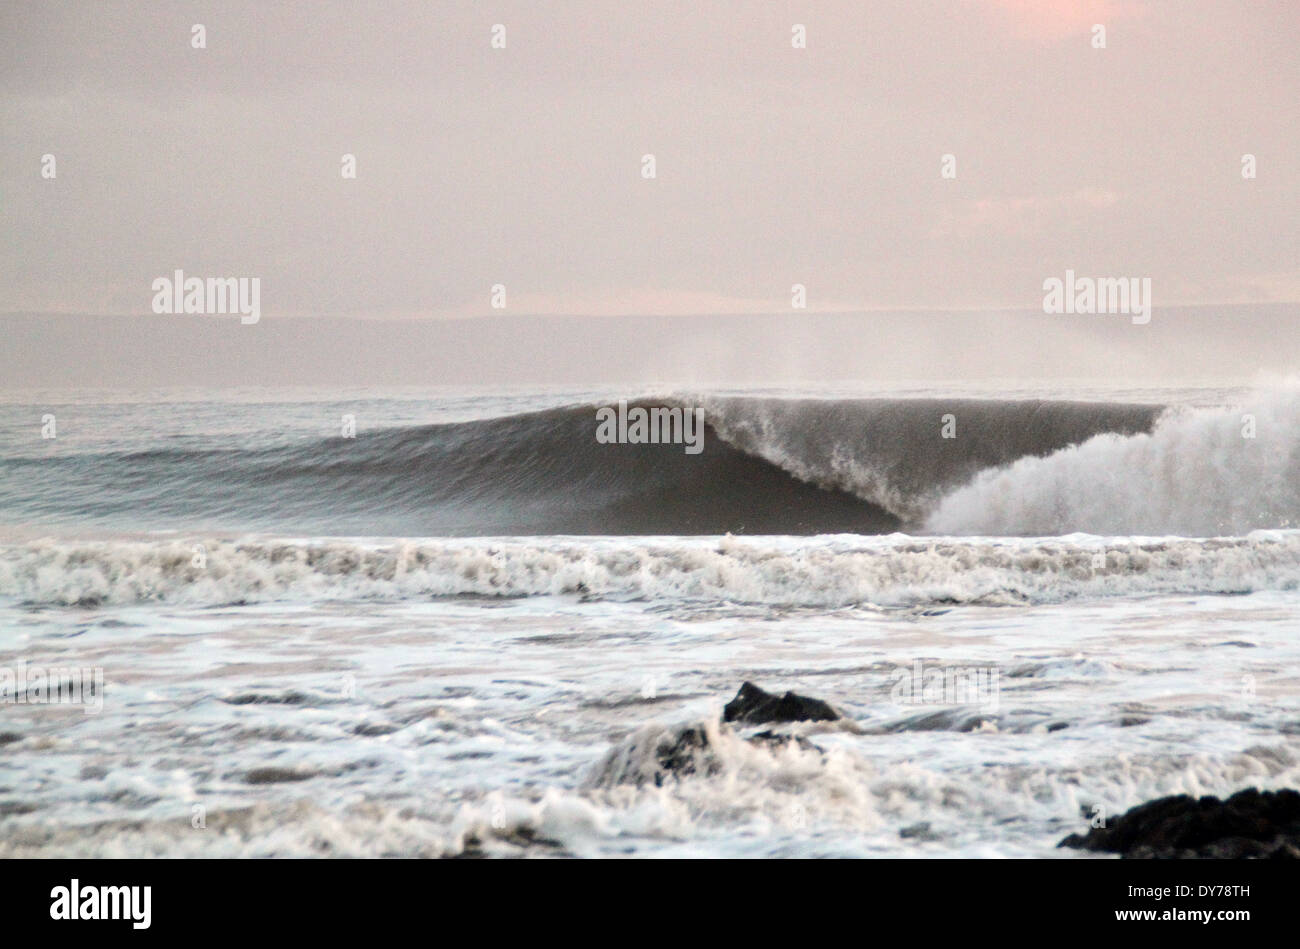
[{"x": 1054, "y": 19}]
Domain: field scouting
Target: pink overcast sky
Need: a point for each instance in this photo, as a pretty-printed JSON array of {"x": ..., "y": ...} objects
[{"x": 522, "y": 166}]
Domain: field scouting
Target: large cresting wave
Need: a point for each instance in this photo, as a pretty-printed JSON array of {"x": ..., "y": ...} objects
[{"x": 768, "y": 466}]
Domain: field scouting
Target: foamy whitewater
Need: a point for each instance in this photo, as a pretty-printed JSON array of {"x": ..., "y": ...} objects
[{"x": 467, "y": 629}]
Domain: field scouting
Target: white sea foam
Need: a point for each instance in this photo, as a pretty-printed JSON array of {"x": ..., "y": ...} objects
[
  {"x": 761, "y": 803},
  {"x": 427, "y": 717},
  {"x": 830, "y": 572},
  {"x": 1199, "y": 472}
]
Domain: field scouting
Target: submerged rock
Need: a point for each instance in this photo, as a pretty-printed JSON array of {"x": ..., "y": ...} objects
[
  {"x": 919, "y": 831},
  {"x": 960, "y": 719},
  {"x": 773, "y": 739},
  {"x": 655, "y": 754},
  {"x": 277, "y": 775},
  {"x": 1251, "y": 823},
  {"x": 687, "y": 752},
  {"x": 658, "y": 754},
  {"x": 523, "y": 841},
  {"x": 753, "y": 706}
]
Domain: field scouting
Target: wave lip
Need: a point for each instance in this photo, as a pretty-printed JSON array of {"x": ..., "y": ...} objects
[
  {"x": 832, "y": 572},
  {"x": 905, "y": 455}
]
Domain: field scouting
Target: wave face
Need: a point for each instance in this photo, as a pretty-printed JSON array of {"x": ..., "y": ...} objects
[
  {"x": 769, "y": 466},
  {"x": 831, "y": 572}
]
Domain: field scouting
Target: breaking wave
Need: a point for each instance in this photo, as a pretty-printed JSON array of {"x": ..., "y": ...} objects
[
  {"x": 832, "y": 572},
  {"x": 769, "y": 466},
  {"x": 1196, "y": 473}
]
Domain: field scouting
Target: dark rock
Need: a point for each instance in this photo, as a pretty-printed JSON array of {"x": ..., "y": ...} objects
[
  {"x": 777, "y": 740},
  {"x": 947, "y": 719},
  {"x": 919, "y": 831},
  {"x": 687, "y": 752},
  {"x": 267, "y": 698},
  {"x": 1132, "y": 721},
  {"x": 525, "y": 838},
  {"x": 277, "y": 775},
  {"x": 753, "y": 706},
  {"x": 7, "y": 738},
  {"x": 1251, "y": 823},
  {"x": 656, "y": 755},
  {"x": 659, "y": 754}
]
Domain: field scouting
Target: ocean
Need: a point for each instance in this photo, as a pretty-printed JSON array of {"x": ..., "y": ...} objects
[{"x": 422, "y": 622}]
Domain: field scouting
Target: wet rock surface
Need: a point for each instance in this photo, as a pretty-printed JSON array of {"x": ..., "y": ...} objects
[
  {"x": 657, "y": 754},
  {"x": 1250, "y": 823},
  {"x": 277, "y": 775},
  {"x": 753, "y": 706}
]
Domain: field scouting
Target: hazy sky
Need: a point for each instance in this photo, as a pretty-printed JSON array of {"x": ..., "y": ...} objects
[{"x": 523, "y": 166}]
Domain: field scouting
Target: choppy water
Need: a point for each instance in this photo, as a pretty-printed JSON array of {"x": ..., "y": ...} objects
[{"x": 318, "y": 694}]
